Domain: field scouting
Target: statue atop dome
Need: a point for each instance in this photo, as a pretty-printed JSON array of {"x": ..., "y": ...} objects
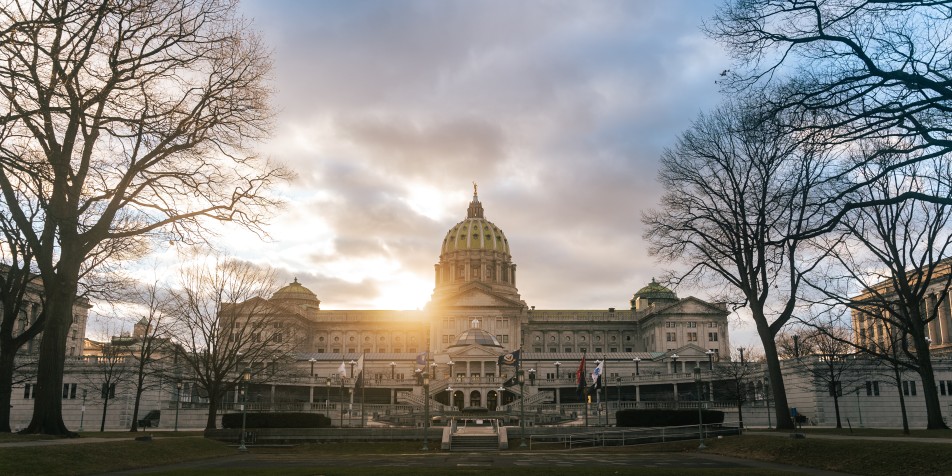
[{"x": 475, "y": 323}]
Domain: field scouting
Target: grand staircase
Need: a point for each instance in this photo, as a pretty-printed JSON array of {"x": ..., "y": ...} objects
[{"x": 474, "y": 443}]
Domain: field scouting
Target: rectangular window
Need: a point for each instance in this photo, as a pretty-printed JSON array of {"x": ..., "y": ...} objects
[
  {"x": 942, "y": 387},
  {"x": 711, "y": 324},
  {"x": 835, "y": 387},
  {"x": 628, "y": 349},
  {"x": 72, "y": 391},
  {"x": 692, "y": 324},
  {"x": 872, "y": 388},
  {"x": 712, "y": 336},
  {"x": 568, "y": 349},
  {"x": 909, "y": 388},
  {"x": 337, "y": 350},
  {"x": 108, "y": 391},
  {"x": 537, "y": 349},
  {"x": 583, "y": 349},
  {"x": 28, "y": 391},
  {"x": 613, "y": 349},
  {"x": 598, "y": 349},
  {"x": 692, "y": 336},
  {"x": 65, "y": 390},
  {"x": 669, "y": 337},
  {"x": 553, "y": 349}
]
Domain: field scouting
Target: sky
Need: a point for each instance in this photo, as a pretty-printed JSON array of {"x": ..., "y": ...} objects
[{"x": 559, "y": 110}]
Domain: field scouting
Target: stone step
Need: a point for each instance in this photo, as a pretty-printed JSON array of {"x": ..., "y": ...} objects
[{"x": 474, "y": 443}]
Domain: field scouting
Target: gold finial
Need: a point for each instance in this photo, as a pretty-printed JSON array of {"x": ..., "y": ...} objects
[{"x": 474, "y": 188}]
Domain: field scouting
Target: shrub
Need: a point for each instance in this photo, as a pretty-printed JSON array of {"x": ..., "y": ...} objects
[
  {"x": 276, "y": 420},
  {"x": 649, "y": 418}
]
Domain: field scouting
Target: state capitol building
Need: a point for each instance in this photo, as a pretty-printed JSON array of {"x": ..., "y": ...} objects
[{"x": 476, "y": 315}]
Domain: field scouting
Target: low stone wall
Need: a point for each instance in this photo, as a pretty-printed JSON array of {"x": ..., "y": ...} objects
[{"x": 317, "y": 435}]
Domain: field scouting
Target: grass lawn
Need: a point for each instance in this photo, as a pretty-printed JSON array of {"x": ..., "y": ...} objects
[
  {"x": 847, "y": 456},
  {"x": 95, "y": 458},
  {"x": 518, "y": 471}
]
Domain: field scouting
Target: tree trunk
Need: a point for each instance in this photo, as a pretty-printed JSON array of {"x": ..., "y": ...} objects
[
  {"x": 48, "y": 403},
  {"x": 7, "y": 364},
  {"x": 105, "y": 405},
  {"x": 135, "y": 409},
  {"x": 930, "y": 393},
  {"x": 836, "y": 407},
  {"x": 902, "y": 400},
  {"x": 781, "y": 407},
  {"x": 212, "y": 422}
]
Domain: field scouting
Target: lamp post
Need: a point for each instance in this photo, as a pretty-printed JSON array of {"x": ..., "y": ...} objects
[
  {"x": 178, "y": 401},
  {"x": 674, "y": 366},
  {"x": 532, "y": 373},
  {"x": 312, "y": 360},
  {"x": 426, "y": 411},
  {"x": 637, "y": 361},
  {"x": 557, "y": 365},
  {"x": 450, "y": 363},
  {"x": 82, "y": 415},
  {"x": 449, "y": 396},
  {"x": 245, "y": 378},
  {"x": 767, "y": 398},
  {"x": 352, "y": 364},
  {"x": 341, "y": 409},
  {"x": 700, "y": 419},
  {"x": 393, "y": 368},
  {"x": 710, "y": 359},
  {"x": 522, "y": 407},
  {"x": 327, "y": 402}
]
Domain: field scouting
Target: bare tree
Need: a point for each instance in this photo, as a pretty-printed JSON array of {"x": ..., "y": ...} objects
[
  {"x": 738, "y": 373},
  {"x": 881, "y": 69},
  {"x": 795, "y": 342},
  {"x": 896, "y": 256},
  {"x": 832, "y": 363},
  {"x": 152, "y": 350},
  {"x": 224, "y": 323},
  {"x": 739, "y": 189},
  {"x": 111, "y": 370},
  {"x": 21, "y": 320},
  {"x": 129, "y": 122}
]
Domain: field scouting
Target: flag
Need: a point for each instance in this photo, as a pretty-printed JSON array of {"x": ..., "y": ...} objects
[
  {"x": 580, "y": 378},
  {"x": 597, "y": 375},
  {"x": 511, "y": 382},
  {"x": 421, "y": 358},
  {"x": 360, "y": 372},
  {"x": 511, "y": 358},
  {"x": 342, "y": 370}
]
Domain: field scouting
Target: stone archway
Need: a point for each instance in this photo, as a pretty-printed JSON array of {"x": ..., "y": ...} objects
[
  {"x": 458, "y": 400},
  {"x": 475, "y": 399},
  {"x": 492, "y": 400}
]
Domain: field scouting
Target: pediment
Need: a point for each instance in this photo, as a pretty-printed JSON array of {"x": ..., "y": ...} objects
[
  {"x": 477, "y": 295},
  {"x": 691, "y": 305}
]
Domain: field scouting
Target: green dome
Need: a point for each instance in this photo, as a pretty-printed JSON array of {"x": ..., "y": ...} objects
[
  {"x": 655, "y": 291},
  {"x": 475, "y": 233}
]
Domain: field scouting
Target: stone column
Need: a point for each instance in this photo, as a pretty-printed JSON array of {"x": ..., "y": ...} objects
[
  {"x": 945, "y": 319},
  {"x": 637, "y": 393},
  {"x": 933, "y": 324}
]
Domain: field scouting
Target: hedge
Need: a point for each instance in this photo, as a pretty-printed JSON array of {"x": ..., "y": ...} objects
[
  {"x": 276, "y": 420},
  {"x": 651, "y": 418}
]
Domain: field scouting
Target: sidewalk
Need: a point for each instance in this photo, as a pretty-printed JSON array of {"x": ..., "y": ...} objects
[
  {"x": 911, "y": 439},
  {"x": 79, "y": 441}
]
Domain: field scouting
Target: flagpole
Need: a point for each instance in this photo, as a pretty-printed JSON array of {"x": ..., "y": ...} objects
[
  {"x": 363, "y": 385},
  {"x": 607, "y": 383}
]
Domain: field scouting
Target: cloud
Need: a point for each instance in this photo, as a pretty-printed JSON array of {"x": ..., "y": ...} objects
[{"x": 558, "y": 109}]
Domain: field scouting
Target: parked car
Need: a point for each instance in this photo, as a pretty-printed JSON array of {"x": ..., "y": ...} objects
[{"x": 151, "y": 419}]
